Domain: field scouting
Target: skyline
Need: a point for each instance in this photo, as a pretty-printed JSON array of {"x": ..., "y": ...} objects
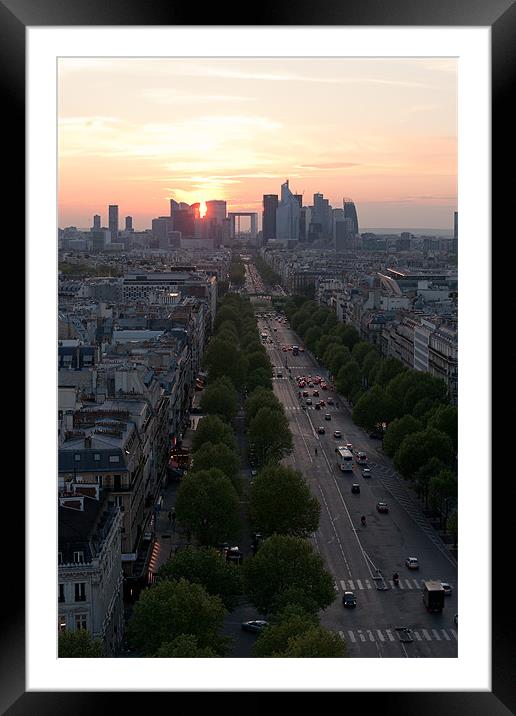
[{"x": 137, "y": 132}]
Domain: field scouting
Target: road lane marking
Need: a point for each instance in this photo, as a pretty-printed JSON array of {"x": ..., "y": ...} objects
[
  {"x": 389, "y": 634},
  {"x": 368, "y": 584},
  {"x": 391, "y": 583},
  {"x": 359, "y": 584},
  {"x": 426, "y": 635},
  {"x": 445, "y": 634},
  {"x": 352, "y": 637},
  {"x": 343, "y": 585},
  {"x": 416, "y": 583},
  {"x": 434, "y": 632},
  {"x": 341, "y": 634},
  {"x": 371, "y": 636},
  {"x": 454, "y": 633},
  {"x": 380, "y": 635},
  {"x": 409, "y": 585},
  {"x": 362, "y": 637},
  {"x": 417, "y": 635},
  {"x": 400, "y": 585}
]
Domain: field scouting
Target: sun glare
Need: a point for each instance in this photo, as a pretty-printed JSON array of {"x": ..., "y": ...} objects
[{"x": 202, "y": 209}]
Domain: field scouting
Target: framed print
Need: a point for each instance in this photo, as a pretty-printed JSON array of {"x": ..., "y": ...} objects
[{"x": 67, "y": 59}]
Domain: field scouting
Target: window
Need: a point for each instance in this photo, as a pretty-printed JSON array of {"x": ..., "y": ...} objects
[
  {"x": 114, "y": 458},
  {"x": 81, "y": 621},
  {"x": 78, "y": 557},
  {"x": 96, "y": 456},
  {"x": 80, "y": 591},
  {"x": 98, "y": 479},
  {"x": 61, "y": 593},
  {"x": 77, "y": 457}
]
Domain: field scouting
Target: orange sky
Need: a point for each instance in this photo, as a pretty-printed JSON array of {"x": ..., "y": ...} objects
[{"x": 136, "y": 132}]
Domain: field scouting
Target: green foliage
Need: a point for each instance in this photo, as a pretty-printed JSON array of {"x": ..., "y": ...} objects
[
  {"x": 212, "y": 429},
  {"x": 371, "y": 365},
  {"x": 337, "y": 358},
  {"x": 259, "y": 378},
  {"x": 207, "y": 506},
  {"x": 312, "y": 336},
  {"x": 283, "y": 563},
  {"x": 223, "y": 358},
  {"x": 373, "y": 409},
  {"x": 281, "y": 502},
  {"x": 220, "y": 456},
  {"x": 229, "y": 313},
  {"x": 206, "y": 566},
  {"x": 349, "y": 378},
  {"x": 388, "y": 369},
  {"x": 184, "y": 646},
  {"x": 397, "y": 431},
  {"x": 171, "y": 609},
  {"x": 259, "y": 359},
  {"x": 317, "y": 642},
  {"x": 445, "y": 419},
  {"x": 289, "y": 624},
  {"x": 270, "y": 433},
  {"x": 78, "y": 645},
  {"x": 220, "y": 398},
  {"x": 418, "y": 448},
  {"x": 260, "y": 398},
  {"x": 360, "y": 350}
]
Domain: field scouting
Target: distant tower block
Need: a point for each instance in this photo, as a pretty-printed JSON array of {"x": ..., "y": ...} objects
[{"x": 232, "y": 215}]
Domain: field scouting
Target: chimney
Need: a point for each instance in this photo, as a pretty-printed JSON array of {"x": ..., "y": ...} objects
[{"x": 87, "y": 442}]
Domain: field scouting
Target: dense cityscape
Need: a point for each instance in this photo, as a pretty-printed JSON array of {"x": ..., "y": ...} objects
[{"x": 257, "y": 434}]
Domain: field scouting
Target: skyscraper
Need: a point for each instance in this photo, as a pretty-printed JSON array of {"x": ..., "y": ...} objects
[
  {"x": 455, "y": 225},
  {"x": 351, "y": 213},
  {"x": 128, "y": 223},
  {"x": 287, "y": 216},
  {"x": 270, "y": 204},
  {"x": 113, "y": 222},
  {"x": 96, "y": 221}
]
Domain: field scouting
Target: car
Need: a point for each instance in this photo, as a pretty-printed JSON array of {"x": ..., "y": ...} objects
[
  {"x": 310, "y": 384},
  {"x": 349, "y": 599},
  {"x": 447, "y": 588},
  {"x": 382, "y": 507},
  {"x": 317, "y": 406},
  {"x": 349, "y": 446},
  {"x": 412, "y": 562},
  {"x": 337, "y": 434},
  {"x": 330, "y": 401},
  {"x": 309, "y": 401},
  {"x": 275, "y": 329},
  {"x": 355, "y": 487},
  {"x": 305, "y": 394},
  {"x": 366, "y": 472},
  {"x": 321, "y": 430},
  {"x": 255, "y": 625},
  {"x": 284, "y": 349},
  {"x": 322, "y": 403},
  {"x": 254, "y": 472},
  {"x": 324, "y": 386},
  {"x": 361, "y": 458},
  {"x": 301, "y": 349},
  {"x": 279, "y": 374},
  {"x": 315, "y": 394},
  {"x": 327, "y": 416}
]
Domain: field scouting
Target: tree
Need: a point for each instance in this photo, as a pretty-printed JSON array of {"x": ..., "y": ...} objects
[
  {"x": 317, "y": 642},
  {"x": 284, "y": 562},
  {"x": 78, "y": 645},
  {"x": 220, "y": 456},
  {"x": 259, "y": 359},
  {"x": 213, "y": 429},
  {"x": 220, "y": 398},
  {"x": 227, "y": 313},
  {"x": 424, "y": 386},
  {"x": 259, "y": 378},
  {"x": 229, "y": 327},
  {"x": 371, "y": 365},
  {"x": 260, "y": 398},
  {"x": 337, "y": 358},
  {"x": 207, "y": 506},
  {"x": 348, "y": 378},
  {"x": 441, "y": 489},
  {"x": 270, "y": 433},
  {"x": 426, "y": 472},
  {"x": 281, "y": 502},
  {"x": 312, "y": 336},
  {"x": 418, "y": 448},
  {"x": 173, "y": 608},
  {"x": 373, "y": 409},
  {"x": 185, "y": 646},
  {"x": 360, "y": 350},
  {"x": 445, "y": 419},
  {"x": 206, "y": 566},
  {"x": 389, "y": 369},
  {"x": 224, "y": 358},
  {"x": 289, "y": 624},
  {"x": 396, "y": 432}
]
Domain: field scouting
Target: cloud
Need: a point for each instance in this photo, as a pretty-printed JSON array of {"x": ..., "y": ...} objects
[{"x": 327, "y": 165}]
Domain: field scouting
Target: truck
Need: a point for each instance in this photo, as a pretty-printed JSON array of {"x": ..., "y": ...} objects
[
  {"x": 295, "y": 350},
  {"x": 344, "y": 459},
  {"x": 433, "y": 596}
]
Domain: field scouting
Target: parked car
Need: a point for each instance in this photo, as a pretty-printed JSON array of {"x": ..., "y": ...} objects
[
  {"x": 349, "y": 599},
  {"x": 355, "y": 487},
  {"x": 412, "y": 562},
  {"x": 321, "y": 430},
  {"x": 337, "y": 434},
  {"x": 382, "y": 507},
  {"x": 255, "y": 625}
]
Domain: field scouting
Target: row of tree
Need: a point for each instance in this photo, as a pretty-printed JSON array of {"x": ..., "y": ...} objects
[
  {"x": 410, "y": 409},
  {"x": 236, "y": 271},
  {"x": 267, "y": 274}
]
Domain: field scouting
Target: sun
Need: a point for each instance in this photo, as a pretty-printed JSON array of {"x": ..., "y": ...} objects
[{"x": 202, "y": 209}]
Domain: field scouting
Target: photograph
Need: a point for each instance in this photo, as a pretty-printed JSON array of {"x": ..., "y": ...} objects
[
  {"x": 257, "y": 357},
  {"x": 257, "y": 401}
]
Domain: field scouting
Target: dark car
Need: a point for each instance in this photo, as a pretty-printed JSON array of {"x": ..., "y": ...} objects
[
  {"x": 382, "y": 507},
  {"x": 330, "y": 401},
  {"x": 321, "y": 430},
  {"x": 447, "y": 588},
  {"x": 355, "y": 487},
  {"x": 327, "y": 416},
  {"x": 255, "y": 625},
  {"x": 349, "y": 599},
  {"x": 317, "y": 406},
  {"x": 337, "y": 434},
  {"x": 315, "y": 394}
]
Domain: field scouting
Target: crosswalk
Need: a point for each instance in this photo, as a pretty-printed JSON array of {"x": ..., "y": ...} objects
[
  {"x": 352, "y": 585},
  {"x": 389, "y": 635}
]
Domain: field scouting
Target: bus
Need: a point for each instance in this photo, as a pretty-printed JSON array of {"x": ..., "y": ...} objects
[
  {"x": 295, "y": 350},
  {"x": 344, "y": 459}
]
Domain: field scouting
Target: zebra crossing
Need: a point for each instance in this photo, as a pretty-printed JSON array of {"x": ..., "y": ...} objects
[
  {"x": 352, "y": 585},
  {"x": 388, "y": 635}
]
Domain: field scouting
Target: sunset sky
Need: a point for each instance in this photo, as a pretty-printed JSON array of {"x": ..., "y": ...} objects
[{"x": 137, "y": 132}]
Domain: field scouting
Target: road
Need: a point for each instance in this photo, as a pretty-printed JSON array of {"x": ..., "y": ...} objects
[{"x": 354, "y": 553}]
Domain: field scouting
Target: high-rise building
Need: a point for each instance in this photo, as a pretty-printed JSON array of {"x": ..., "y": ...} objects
[
  {"x": 96, "y": 221},
  {"x": 455, "y": 225},
  {"x": 350, "y": 212},
  {"x": 113, "y": 222},
  {"x": 287, "y": 216},
  {"x": 321, "y": 215},
  {"x": 270, "y": 204},
  {"x": 183, "y": 217},
  {"x": 128, "y": 223}
]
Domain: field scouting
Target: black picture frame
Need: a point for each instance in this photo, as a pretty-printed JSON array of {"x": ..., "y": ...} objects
[{"x": 500, "y": 16}]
